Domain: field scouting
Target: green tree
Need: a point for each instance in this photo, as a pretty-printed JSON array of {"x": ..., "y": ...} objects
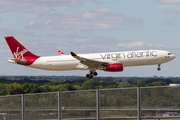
[
  {"x": 66, "y": 87},
  {"x": 157, "y": 83},
  {"x": 3, "y": 90},
  {"x": 46, "y": 88},
  {"x": 117, "y": 80},
  {"x": 26, "y": 87},
  {"x": 35, "y": 89},
  {"x": 87, "y": 85},
  {"x": 11, "y": 87}
]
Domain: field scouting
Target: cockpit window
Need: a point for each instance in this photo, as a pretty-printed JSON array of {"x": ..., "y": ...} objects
[{"x": 169, "y": 53}]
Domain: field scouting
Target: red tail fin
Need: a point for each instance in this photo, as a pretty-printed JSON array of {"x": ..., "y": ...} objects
[{"x": 19, "y": 51}]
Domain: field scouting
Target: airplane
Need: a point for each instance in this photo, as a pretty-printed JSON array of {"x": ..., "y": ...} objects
[{"x": 110, "y": 61}]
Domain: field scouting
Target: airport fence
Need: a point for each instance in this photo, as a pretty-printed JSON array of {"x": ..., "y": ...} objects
[{"x": 98, "y": 104}]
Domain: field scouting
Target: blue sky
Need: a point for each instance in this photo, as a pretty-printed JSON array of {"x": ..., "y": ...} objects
[{"x": 91, "y": 26}]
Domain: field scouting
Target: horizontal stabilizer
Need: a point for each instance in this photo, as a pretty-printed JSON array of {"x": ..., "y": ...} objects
[{"x": 22, "y": 61}]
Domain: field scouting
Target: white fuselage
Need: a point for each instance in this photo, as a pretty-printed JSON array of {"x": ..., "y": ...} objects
[{"x": 127, "y": 58}]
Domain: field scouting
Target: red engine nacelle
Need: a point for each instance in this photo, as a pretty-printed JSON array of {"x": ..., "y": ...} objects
[{"x": 117, "y": 67}]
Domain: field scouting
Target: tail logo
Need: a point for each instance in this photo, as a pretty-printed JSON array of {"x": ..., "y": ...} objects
[{"x": 19, "y": 55}]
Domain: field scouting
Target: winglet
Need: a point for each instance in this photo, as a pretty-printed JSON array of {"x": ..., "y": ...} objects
[
  {"x": 73, "y": 54},
  {"x": 60, "y": 53}
]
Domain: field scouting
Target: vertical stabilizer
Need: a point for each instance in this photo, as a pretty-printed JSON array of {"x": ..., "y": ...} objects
[{"x": 20, "y": 52}]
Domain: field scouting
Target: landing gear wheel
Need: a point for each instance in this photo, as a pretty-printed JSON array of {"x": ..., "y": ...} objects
[
  {"x": 90, "y": 76},
  {"x": 87, "y": 75},
  {"x": 95, "y": 73},
  {"x": 159, "y": 69}
]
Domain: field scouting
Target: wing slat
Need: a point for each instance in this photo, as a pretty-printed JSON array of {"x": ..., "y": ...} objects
[{"x": 94, "y": 64}]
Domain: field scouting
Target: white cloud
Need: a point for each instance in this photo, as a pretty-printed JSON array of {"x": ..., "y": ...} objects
[
  {"x": 162, "y": 6},
  {"x": 170, "y": 2},
  {"x": 36, "y": 5},
  {"x": 96, "y": 44},
  {"x": 12, "y": 32},
  {"x": 8, "y": 32},
  {"x": 102, "y": 44},
  {"x": 128, "y": 45},
  {"x": 103, "y": 11},
  {"x": 137, "y": 44},
  {"x": 167, "y": 12},
  {"x": 96, "y": 48},
  {"x": 31, "y": 23},
  {"x": 165, "y": 6},
  {"x": 96, "y": 40},
  {"x": 47, "y": 22},
  {"x": 160, "y": 45},
  {"x": 101, "y": 19},
  {"x": 58, "y": 35},
  {"x": 84, "y": 40},
  {"x": 89, "y": 15}
]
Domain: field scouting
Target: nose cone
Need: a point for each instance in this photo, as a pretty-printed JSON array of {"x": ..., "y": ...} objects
[{"x": 173, "y": 57}]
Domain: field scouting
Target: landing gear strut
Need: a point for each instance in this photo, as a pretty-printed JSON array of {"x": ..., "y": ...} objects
[
  {"x": 91, "y": 74},
  {"x": 159, "y": 67}
]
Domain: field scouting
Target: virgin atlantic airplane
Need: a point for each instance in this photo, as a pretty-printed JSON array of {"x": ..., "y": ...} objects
[{"x": 111, "y": 61}]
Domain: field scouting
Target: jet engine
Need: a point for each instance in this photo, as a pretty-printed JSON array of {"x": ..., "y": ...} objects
[{"x": 117, "y": 67}]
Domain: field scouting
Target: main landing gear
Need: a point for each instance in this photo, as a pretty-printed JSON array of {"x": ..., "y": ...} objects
[
  {"x": 159, "y": 69},
  {"x": 91, "y": 74}
]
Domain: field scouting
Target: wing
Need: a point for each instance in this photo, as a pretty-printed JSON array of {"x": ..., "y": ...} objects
[{"x": 94, "y": 64}]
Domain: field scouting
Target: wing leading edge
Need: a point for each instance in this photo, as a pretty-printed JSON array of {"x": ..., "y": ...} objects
[{"x": 92, "y": 64}]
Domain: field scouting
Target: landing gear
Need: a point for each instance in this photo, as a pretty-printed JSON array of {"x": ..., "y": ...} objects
[
  {"x": 159, "y": 69},
  {"x": 91, "y": 74},
  {"x": 95, "y": 73}
]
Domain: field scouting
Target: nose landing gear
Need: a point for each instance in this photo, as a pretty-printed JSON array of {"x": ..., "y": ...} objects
[
  {"x": 159, "y": 69},
  {"x": 91, "y": 74}
]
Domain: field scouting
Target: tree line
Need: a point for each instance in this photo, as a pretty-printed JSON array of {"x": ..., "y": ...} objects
[{"x": 36, "y": 85}]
